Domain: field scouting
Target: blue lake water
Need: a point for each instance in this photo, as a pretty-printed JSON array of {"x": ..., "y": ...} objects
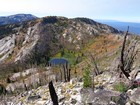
[{"x": 58, "y": 61}]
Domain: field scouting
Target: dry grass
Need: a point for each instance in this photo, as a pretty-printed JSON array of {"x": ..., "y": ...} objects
[{"x": 105, "y": 49}]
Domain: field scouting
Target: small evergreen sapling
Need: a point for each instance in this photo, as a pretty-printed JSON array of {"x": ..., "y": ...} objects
[{"x": 87, "y": 78}]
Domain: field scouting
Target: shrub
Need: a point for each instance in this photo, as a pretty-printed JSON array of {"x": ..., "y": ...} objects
[
  {"x": 87, "y": 79},
  {"x": 121, "y": 87}
]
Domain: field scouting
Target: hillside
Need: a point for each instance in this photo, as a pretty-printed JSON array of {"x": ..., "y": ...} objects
[
  {"x": 35, "y": 42},
  {"x": 48, "y": 36}
]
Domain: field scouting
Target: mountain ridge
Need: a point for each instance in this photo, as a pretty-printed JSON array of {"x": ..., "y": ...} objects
[
  {"x": 53, "y": 32},
  {"x": 17, "y": 18}
]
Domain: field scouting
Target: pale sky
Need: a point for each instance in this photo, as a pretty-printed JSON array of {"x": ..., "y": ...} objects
[{"x": 122, "y": 10}]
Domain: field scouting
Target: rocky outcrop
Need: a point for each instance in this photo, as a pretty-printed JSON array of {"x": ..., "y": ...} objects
[
  {"x": 7, "y": 45},
  {"x": 67, "y": 94},
  {"x": 102, "y": 97},
  {"x": 135, "y": 96},
  {"x": 17, "y": 76},
  {"x": 31, "y": 38},
  {"x": 101, "y": 27},
  {"x": 28, "y": 79},
  {"x": 71, "y": 93}
]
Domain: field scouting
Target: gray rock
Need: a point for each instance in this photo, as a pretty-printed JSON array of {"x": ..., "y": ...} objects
[
  {"x": 34, "y": 80},
  {"x": 135, "y": 97},
  {"x": 103, "y": 97},
  {"x": 86, "y": 94},
  {"x": 61, "y": 98},
  {"x": 120, "y": 100},
  {"x": 73, "y": 81},
  {"x": 138, "y": 75},
  {"x": 26, "y": 50},
  {"x": 73, "y": 101},
  {"x": 33, "y": 98},
  {"x": 7, "y": 45}
]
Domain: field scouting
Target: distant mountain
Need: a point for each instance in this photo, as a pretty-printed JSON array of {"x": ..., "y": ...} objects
[
  {"x": 134, "y": 27},
  {"x": 16, "y": 18}
]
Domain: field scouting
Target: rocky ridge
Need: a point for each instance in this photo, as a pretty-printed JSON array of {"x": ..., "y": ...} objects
[
  {"x": 47, "y": 35},
  {"x": 73, "y": 93}
]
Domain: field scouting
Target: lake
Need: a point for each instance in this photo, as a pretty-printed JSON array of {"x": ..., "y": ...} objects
[{"x": 58, "y": 61}]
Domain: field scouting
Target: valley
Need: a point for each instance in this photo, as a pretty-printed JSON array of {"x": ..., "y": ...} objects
[{"x": 80, "y": 56}]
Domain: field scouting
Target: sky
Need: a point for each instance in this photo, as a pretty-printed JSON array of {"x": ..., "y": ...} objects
[{"x": 122, "y": 10}]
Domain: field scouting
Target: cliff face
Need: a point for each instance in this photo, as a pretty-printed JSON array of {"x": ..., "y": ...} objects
[{"x": 44, "y": 37}]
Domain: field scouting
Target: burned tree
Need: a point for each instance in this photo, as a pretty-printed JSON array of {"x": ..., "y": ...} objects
[
  {"x": 65, "y": 75},
  {"x": 94, "y": 64},
  {"x": 88, "y": 76},
  {"x": 127, "y": 56},
  {"x": 64, "y": 68},
  {"x": 66, "y": 72},
  {"x": 97, "y": 72},
  {"x": 69, "y": 75},
  {"x": 53, "y": 94}
]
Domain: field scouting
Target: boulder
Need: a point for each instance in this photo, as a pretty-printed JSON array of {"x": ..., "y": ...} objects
[
  {"x": 33, "y": 98},
  {"x": 135, "y": 74},
  {"x": 40, "y": 102},
  {"x": 73, "y": 81},
  {"x": 138, "y": 76},
  {"x": 61, "y": 98},
  {"x": 103, "y": 97},
  {"x": 86, "y": 94},
  {"x": 73, "y": 101},
  {"x": 10, "y": 87},
  {"x": 135, "y": 97}
]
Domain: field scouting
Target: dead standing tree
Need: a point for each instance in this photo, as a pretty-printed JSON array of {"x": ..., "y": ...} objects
[
  {"x": 94, "y": 64},
  {"x": 128, "y": 55},
  {"x": 97, "y": 72},
  {"x": 64, "y": 68},
  {"x": 53, "y": 94},
  {"x": 66, "y": 72}
]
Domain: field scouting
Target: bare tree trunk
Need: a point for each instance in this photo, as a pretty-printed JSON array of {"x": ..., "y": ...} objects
[
  {"x": 122, "y": 66},
  {"x": 53, "y": 94},
  {"x": 95, "y": 65},
  {"x": 64, "y": 73},
  {"x": 25, "y": 87},
  {"x": 93, "y": 85},
  {"x": 75, "y": 72},
  {"x": 69, "y": 74},
  {"x": 61, "y": 74}
]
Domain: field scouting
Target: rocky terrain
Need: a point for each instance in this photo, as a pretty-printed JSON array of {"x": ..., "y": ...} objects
[
  {"x": 73, "y": 93},
  {"x": 26, "y": 49}
]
